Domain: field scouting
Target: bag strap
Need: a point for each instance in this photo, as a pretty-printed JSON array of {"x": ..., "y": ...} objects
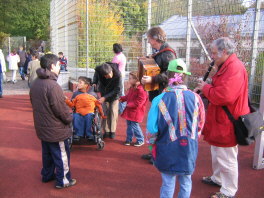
[
  {"x": 163, "y": 50},
  {"x": 230, "y": 116}
]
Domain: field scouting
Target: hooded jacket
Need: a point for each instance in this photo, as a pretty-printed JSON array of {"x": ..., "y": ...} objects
[{"x": 52, "y": 117}]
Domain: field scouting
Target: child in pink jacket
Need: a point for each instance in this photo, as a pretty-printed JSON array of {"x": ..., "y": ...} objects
[{"x": 136, "y": 99}]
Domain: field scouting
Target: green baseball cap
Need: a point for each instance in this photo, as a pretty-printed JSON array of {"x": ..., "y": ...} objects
[{"x": 178, "y": 66}]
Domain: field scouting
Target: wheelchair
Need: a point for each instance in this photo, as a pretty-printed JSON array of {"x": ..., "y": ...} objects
[{"x": 96, "y": 131}]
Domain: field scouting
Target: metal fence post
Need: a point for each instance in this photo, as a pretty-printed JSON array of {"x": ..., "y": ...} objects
[
  {"x": 188, "y": 33},
  {"x": 87, "y": 38},
  {"x": 254, "y": 46},
  {"x": 149, "y": 25}
]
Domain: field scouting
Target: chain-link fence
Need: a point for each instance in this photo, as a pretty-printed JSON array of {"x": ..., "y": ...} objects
[{"x": 85, "y": 31}]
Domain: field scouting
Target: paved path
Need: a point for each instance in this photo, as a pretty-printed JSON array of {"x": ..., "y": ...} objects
[{"x": 115, "y": 172}]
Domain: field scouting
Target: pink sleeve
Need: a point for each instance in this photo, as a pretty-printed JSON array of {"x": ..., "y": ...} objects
[{"x": 115, "y": 59}]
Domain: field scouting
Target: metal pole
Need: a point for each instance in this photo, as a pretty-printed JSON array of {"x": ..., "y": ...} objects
[
  {"x": 254, "y": 47},
  {"x": 87, "y": 39},
  {"x": 188, "y": 33},
  {"x": 149, "y": 25},
  {"x": 66, "y": 28}
]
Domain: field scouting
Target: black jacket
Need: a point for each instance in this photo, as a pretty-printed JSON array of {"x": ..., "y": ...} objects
[
  {"x": 52, "y": 117},
  {"x": 162, "y": 60},
  {"x": 109, "y": 88}
]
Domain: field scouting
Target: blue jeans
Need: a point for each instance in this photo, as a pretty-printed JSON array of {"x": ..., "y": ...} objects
[
  {"x": 1, "y": 83},
  {"x": 21, "y": 71},
  {"x": 82, "y": 125},
  {"x": 133, "y": 128},
  {"x": 168, "y": 185}
]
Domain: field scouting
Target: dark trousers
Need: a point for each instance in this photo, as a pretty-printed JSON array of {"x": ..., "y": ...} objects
[{"x": 56, "y": 157}]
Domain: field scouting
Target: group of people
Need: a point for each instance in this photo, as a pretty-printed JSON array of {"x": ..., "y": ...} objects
[{"x": 176, "y": 117}]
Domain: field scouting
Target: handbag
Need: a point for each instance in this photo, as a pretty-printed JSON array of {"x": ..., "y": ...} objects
[{"x": 248, "y": 126}]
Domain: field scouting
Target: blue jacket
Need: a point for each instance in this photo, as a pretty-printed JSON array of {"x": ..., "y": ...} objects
[{"x": 176, "y": 116}]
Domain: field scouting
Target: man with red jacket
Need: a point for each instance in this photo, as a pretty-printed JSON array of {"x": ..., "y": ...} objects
[{"x": 229, "y": 88}]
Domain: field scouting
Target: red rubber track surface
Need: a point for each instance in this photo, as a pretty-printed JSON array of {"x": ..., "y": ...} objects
[{"x": 116, "y": 172}]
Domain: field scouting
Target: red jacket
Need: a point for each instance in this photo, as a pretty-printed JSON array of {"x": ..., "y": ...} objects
[
  {"x": 137, "y": 99},
  {"x": 229, "y": 88}
]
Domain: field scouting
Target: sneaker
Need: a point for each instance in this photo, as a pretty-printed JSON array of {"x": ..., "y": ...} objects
[
  {"x": 137, "y": 144},
  {"x": 208, "y": 180},
  {"x": 146, "y": 156},
  {"x": 106, "y": 134},
  {"x": 71, "y": 183},
  {"x": 112, "y": 135},
  {"x": 126, "y": 143},
  {"x": 76, "y": 137}
]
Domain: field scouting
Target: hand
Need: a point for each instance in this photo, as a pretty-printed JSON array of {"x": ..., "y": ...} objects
[
  {"x": 101, "y": 100},
  {"x": 104, "y": 117},
  {"x": 65, "y": 97},
  {"x": 146, "y": 79},
  {"x": 200, "y": 86}
]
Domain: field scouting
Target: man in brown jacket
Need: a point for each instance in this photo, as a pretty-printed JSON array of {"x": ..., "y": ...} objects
[{"x": 52, "y": 123}]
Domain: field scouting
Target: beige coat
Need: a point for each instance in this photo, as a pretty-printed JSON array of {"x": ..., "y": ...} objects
[{"x": 32, "y": 67}]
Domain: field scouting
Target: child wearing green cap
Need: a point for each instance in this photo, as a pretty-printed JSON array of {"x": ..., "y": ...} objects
[{"x": 176, "y": 118}]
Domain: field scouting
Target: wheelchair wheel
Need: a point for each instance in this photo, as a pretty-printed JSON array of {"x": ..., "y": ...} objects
[{"x": 100, "y": 145}]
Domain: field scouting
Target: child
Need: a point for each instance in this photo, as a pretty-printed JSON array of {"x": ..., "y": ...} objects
[
  {"x": 32, "y": 68},
  {"x": 63, "y": 62},
  {"x": 176, "y": 118},
  {"x": 84, "y": 105},
  {"x": 136, "y": 99}
]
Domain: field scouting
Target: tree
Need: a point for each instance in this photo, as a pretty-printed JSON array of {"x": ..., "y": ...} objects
[{"x": 25, "y": 18}]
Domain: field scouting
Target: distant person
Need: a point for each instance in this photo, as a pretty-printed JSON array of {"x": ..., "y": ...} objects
[
  {"x": 52, "y": 121},
  {"x": 175, "y": 120},
  {"x": 84, "y": 105},
  {"x": 120, "y": 59},
  {"x": 63, "y": 62},
  {"x": 108, "y": 78},
  {"x": 13, "y": 60},
  {"x": 28, "y": 59},
  {"x": 22, "y": 55},
  {"x": 32, "y": 68},
  {"x": 136, "y": 99},
  {"x": 2, "y": 72}
]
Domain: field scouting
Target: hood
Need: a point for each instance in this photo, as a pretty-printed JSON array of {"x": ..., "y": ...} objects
[{"x": 46, "y": 74}]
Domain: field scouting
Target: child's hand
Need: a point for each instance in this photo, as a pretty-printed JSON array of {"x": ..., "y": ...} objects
[
  {"x": 104, "y": 117},
  {"x": 65, "y": 97}
]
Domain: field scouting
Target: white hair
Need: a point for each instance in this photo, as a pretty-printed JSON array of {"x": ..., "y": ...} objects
[{"x": 224, "y": 43}]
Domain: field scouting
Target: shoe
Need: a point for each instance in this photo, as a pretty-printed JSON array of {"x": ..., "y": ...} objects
[
  {"x": 151, "y": 161},
  {"x": 126, "y": 143},
  {"x": 76, "y": 137},
  {"x": 112, "y": 135},
  {"x": 146, "y": 156},
  {"x": 220, "y": 195},
  {"x": 106, "y": 134},
  {"x": 138, "y": 144},
  {"x": 23, "y": 77},
  {"x": 208, "y": 180},
  {"x": 71, "y": 183},
  {"x": 1, "y": 96}
]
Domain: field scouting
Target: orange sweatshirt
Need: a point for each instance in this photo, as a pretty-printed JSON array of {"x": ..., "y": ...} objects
[{"x": 84, "y": 104}]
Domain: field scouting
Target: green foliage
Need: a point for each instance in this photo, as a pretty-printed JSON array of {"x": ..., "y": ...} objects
[
  {"x": 25, "y": 18},
  {"x": 2, "y": 38}
]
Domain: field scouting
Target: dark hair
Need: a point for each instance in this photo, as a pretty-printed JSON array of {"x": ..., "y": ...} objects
[
  {"x": 117, "y": 48},
  {"x": 134, "y": 74},
  {"x": 35, "y": 54},
  {"x": 60, "y": 53},
  {"x": 157, "y": 34},
  {"x": 87, "y": 81},
  {"x": 47, "y": 60},
  {"x": 105, "y": 69},
  {"x": 14, "y": 51}
]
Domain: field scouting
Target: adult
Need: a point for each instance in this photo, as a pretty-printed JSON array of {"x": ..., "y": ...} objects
[
  {"x": 32, "y": 68},
  {"x": 52, "y": 121},
  {"x": 2, "y": 72},
  {"x": 120, "y": 59},
  {"x": 108, "y": 78},
  {"x": 22, "y": 55},
  {"x": 164, "y": 54},
  {"x": 229, "y": 88},
  {"x": 13, "y": 60}
]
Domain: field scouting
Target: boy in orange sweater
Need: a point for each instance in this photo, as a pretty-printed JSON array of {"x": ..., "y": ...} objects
[{"x": 83, "y": 105}]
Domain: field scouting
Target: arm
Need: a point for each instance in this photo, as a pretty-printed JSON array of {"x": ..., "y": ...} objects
[
  {"x": 201, "y": 115},
  {"x": 152, "y": 122},
  {"x": 70, "y": 103},
  {"x": 140, "y": 100},
  {"x": 100, "y": 109},
  {"x": 227, "y": 89},
  {"x": 58, "y": 105},
  {"x": 116, "y": 90}
]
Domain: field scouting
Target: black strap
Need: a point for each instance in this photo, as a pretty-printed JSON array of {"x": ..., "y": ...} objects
[{"x": 230, "y": 116}]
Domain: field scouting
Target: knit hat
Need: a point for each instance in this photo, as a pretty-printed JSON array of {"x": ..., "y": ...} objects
[{"x": 178, "y": 66}]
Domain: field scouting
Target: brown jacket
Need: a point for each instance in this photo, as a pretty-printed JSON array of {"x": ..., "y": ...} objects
[{"x": 51, "y": 115}]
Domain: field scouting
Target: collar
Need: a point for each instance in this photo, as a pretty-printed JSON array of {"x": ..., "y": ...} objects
[
  {"x": 225, "y": 65},
  {"x": 174, "y": 87}
]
